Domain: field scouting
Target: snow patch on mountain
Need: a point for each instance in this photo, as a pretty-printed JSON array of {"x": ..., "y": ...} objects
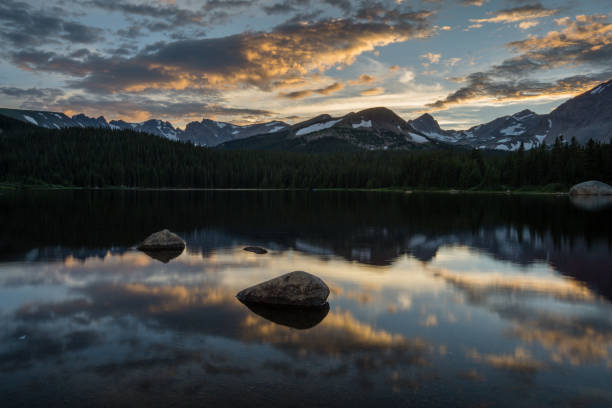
[
  {"x": 276, "y": 128},
  {"x": 418, "y": 138},
  {"x": 363, "y": 124},
  {"x": 30, "y": 119},
  {"x": 599, "y": 89},
  {"x": 514, "y": 130},
  {"x": 317, "y": 127}
]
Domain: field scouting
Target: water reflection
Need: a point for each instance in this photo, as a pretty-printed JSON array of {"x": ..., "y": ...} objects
[{"x": 431, "y": 303}]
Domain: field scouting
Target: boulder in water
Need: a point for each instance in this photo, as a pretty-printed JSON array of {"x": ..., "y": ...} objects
[
  {"x": 256, "y": 250},
  {"x": 592, "y": 187},
  {"x": 162, "y": 241},
  {"x": 292, "y": 289}
]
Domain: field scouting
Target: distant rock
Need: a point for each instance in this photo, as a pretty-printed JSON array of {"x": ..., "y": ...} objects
[
  {"x": 256, "y": 250},
  {"x": 292, "y": 289},
  {"x": 301, "y": 318},
  {"x": 592, "y": 187},
  {"x": 162, "y": 241}
]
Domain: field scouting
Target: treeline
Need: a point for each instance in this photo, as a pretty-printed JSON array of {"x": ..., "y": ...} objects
[{"x": 103, "y": 158}]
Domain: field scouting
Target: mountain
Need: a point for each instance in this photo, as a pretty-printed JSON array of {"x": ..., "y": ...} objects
[
  {"x": 205, "y": 133},
  {"x": 153, "y": 126},
  {"x": 211, "y": 133},
  {"x": 587, "y": 116},
  {"x": 505, "y": 133},
  {"x": 370, "y": 129}
]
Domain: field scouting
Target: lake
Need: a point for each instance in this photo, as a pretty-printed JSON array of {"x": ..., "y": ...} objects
[{"x": 436, "y": 300}]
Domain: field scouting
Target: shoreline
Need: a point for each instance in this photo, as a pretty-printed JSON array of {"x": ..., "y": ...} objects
[{"x": 6, "y": 187}]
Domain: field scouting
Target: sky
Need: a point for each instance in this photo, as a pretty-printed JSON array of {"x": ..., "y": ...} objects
[{"x": 244, "y": 61}]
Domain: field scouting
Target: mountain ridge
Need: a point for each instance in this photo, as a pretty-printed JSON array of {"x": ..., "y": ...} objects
[{"x": 586, "y": 116}]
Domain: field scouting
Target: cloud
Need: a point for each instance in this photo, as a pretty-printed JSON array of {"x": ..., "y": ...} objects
[
  {"x": 363, "y": 79},
  {"x": 525, "y": 25},
  {"x": 432, "y": 58},
  {"x": 259, "y": 59},
  {"x": 472, "y": 2},
  {"x": 372, "y": 91},
  {"x": 21, "y": 25},
  {"x": 587, "y": 40},
  {"x": 30, "y": 92},
  {"x": 528, "y": 12},
  {"x": 328, "y": 90},
  {"x": 31, "y": 98},
  {"x": 170, "y": 13},
  {"x": 407, "y": 77}
]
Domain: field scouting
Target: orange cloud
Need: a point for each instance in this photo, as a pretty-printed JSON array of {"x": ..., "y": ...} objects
[
  {"x": 328, "y": 90},
  {"x": 372, "y": 91},
  {"x": 363, "y": 79},
  {"x": 529, "y": 12}
]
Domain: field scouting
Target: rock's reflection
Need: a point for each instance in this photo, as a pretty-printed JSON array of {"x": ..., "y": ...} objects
[
  {"x": 165, "y": 256},
  {"x": 591, "y": 203},
  {"x": 297, "y": 317}
]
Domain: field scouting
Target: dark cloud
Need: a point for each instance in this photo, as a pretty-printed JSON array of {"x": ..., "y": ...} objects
[
  {"x": 168, "y": 12},
  {"x": 289, "y": 6},
  {"x": 21, "y": 25},
  {"x": 31, "y": 98},
  {"x": 30, "y": 92},
  {"x": 481, "y": 85},
  {"x": 172, "y": 106}
]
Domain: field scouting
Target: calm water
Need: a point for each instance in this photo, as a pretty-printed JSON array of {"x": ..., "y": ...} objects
[{"x": 437, "y": 300}]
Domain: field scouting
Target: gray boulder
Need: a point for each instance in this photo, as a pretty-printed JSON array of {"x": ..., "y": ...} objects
[
  {"x": 292, "y": 289},
  {"x": 591, "y": 188},
  {"x": 162, "y": 241}
]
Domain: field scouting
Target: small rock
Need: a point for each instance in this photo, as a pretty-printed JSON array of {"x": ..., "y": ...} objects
[
  {"x": 256, "y": 250},
  {"x": 592, "y": 187},
  {"x": 161, "y": 241},
  {"x": 292, "y": 289}
]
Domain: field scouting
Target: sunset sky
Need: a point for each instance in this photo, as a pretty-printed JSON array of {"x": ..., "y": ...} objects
[{"x": 242, "y": 61}]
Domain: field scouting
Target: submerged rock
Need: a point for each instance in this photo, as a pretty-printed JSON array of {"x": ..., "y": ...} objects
[
  {"x": 162, "y": 241},
  {"x": 592, "y": 187},
  {"x": 301, "y": 318},
  {"x": 292, "y": 289},
  {"x": 256, "y": 250}
]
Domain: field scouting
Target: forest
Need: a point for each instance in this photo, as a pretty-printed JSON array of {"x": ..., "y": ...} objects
[{"x": 77, "y": 157}]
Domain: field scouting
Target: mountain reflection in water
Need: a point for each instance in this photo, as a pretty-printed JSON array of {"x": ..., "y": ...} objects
[{"x": 436, "y": 300}]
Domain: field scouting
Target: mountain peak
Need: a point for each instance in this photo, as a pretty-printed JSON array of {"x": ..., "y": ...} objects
[
  {"x": 524, "y": 114},
  {"x": 380, "y": 114},
  {"x": 426, "y": 123},
  {"x": 601, "y": 88}
]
